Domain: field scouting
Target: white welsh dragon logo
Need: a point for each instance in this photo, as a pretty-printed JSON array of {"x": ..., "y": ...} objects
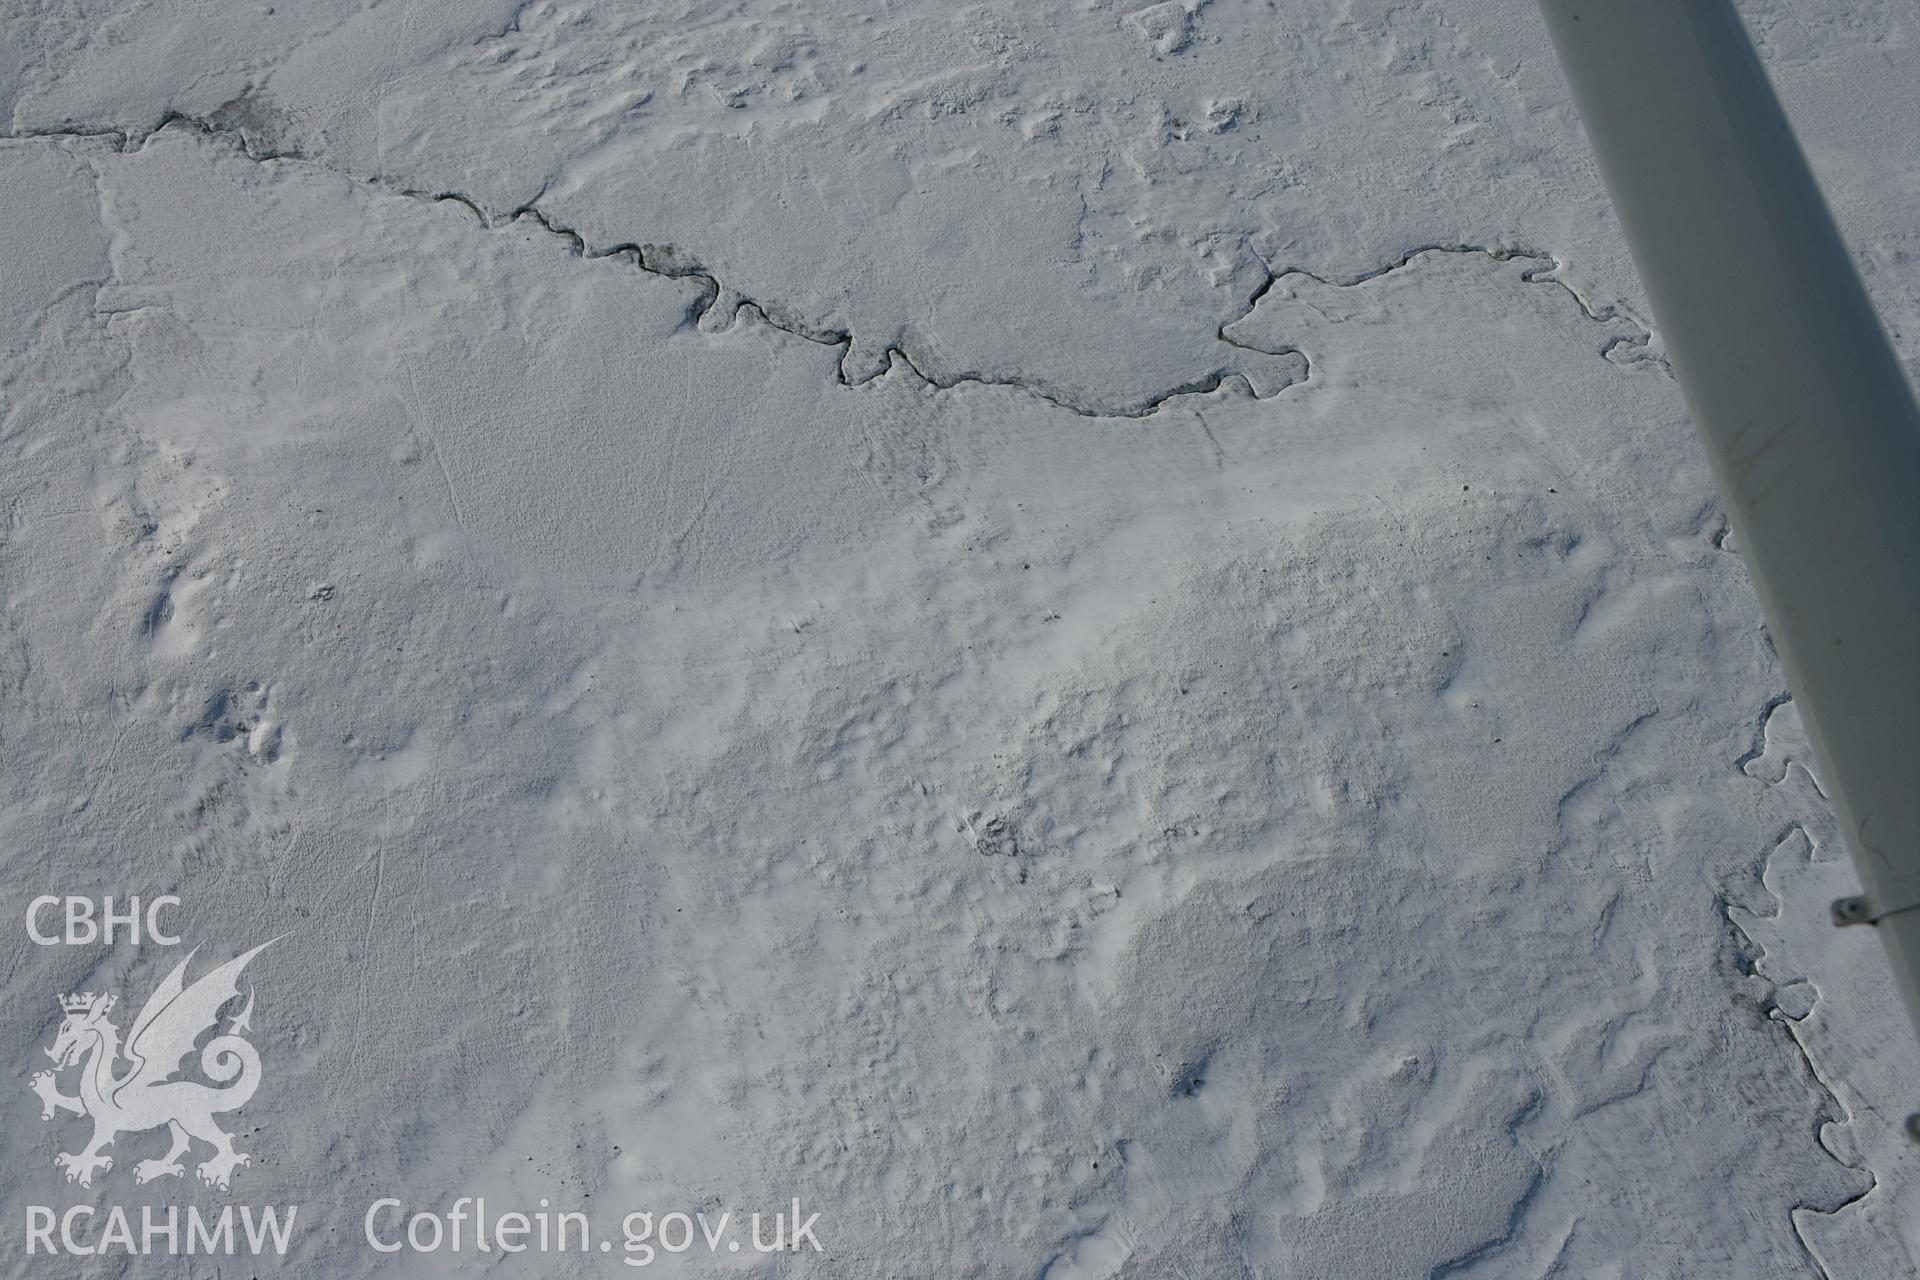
[{"x": 147, "y": 1096}]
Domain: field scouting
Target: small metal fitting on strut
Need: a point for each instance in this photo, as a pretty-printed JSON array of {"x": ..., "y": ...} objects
[{"x": 1854, "y": 910}]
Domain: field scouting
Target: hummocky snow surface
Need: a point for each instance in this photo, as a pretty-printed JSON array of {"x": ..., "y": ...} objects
[{"x": 1092, "y": 640}]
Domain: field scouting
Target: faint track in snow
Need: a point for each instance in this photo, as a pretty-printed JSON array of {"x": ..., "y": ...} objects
[{"x": 720, "y": 306}]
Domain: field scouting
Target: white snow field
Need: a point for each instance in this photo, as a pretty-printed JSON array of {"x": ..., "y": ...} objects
[{"x": 1092, "y": 641}]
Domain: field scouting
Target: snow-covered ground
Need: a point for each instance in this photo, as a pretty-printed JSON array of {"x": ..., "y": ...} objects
[{"x": 1093, "y": 641}]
